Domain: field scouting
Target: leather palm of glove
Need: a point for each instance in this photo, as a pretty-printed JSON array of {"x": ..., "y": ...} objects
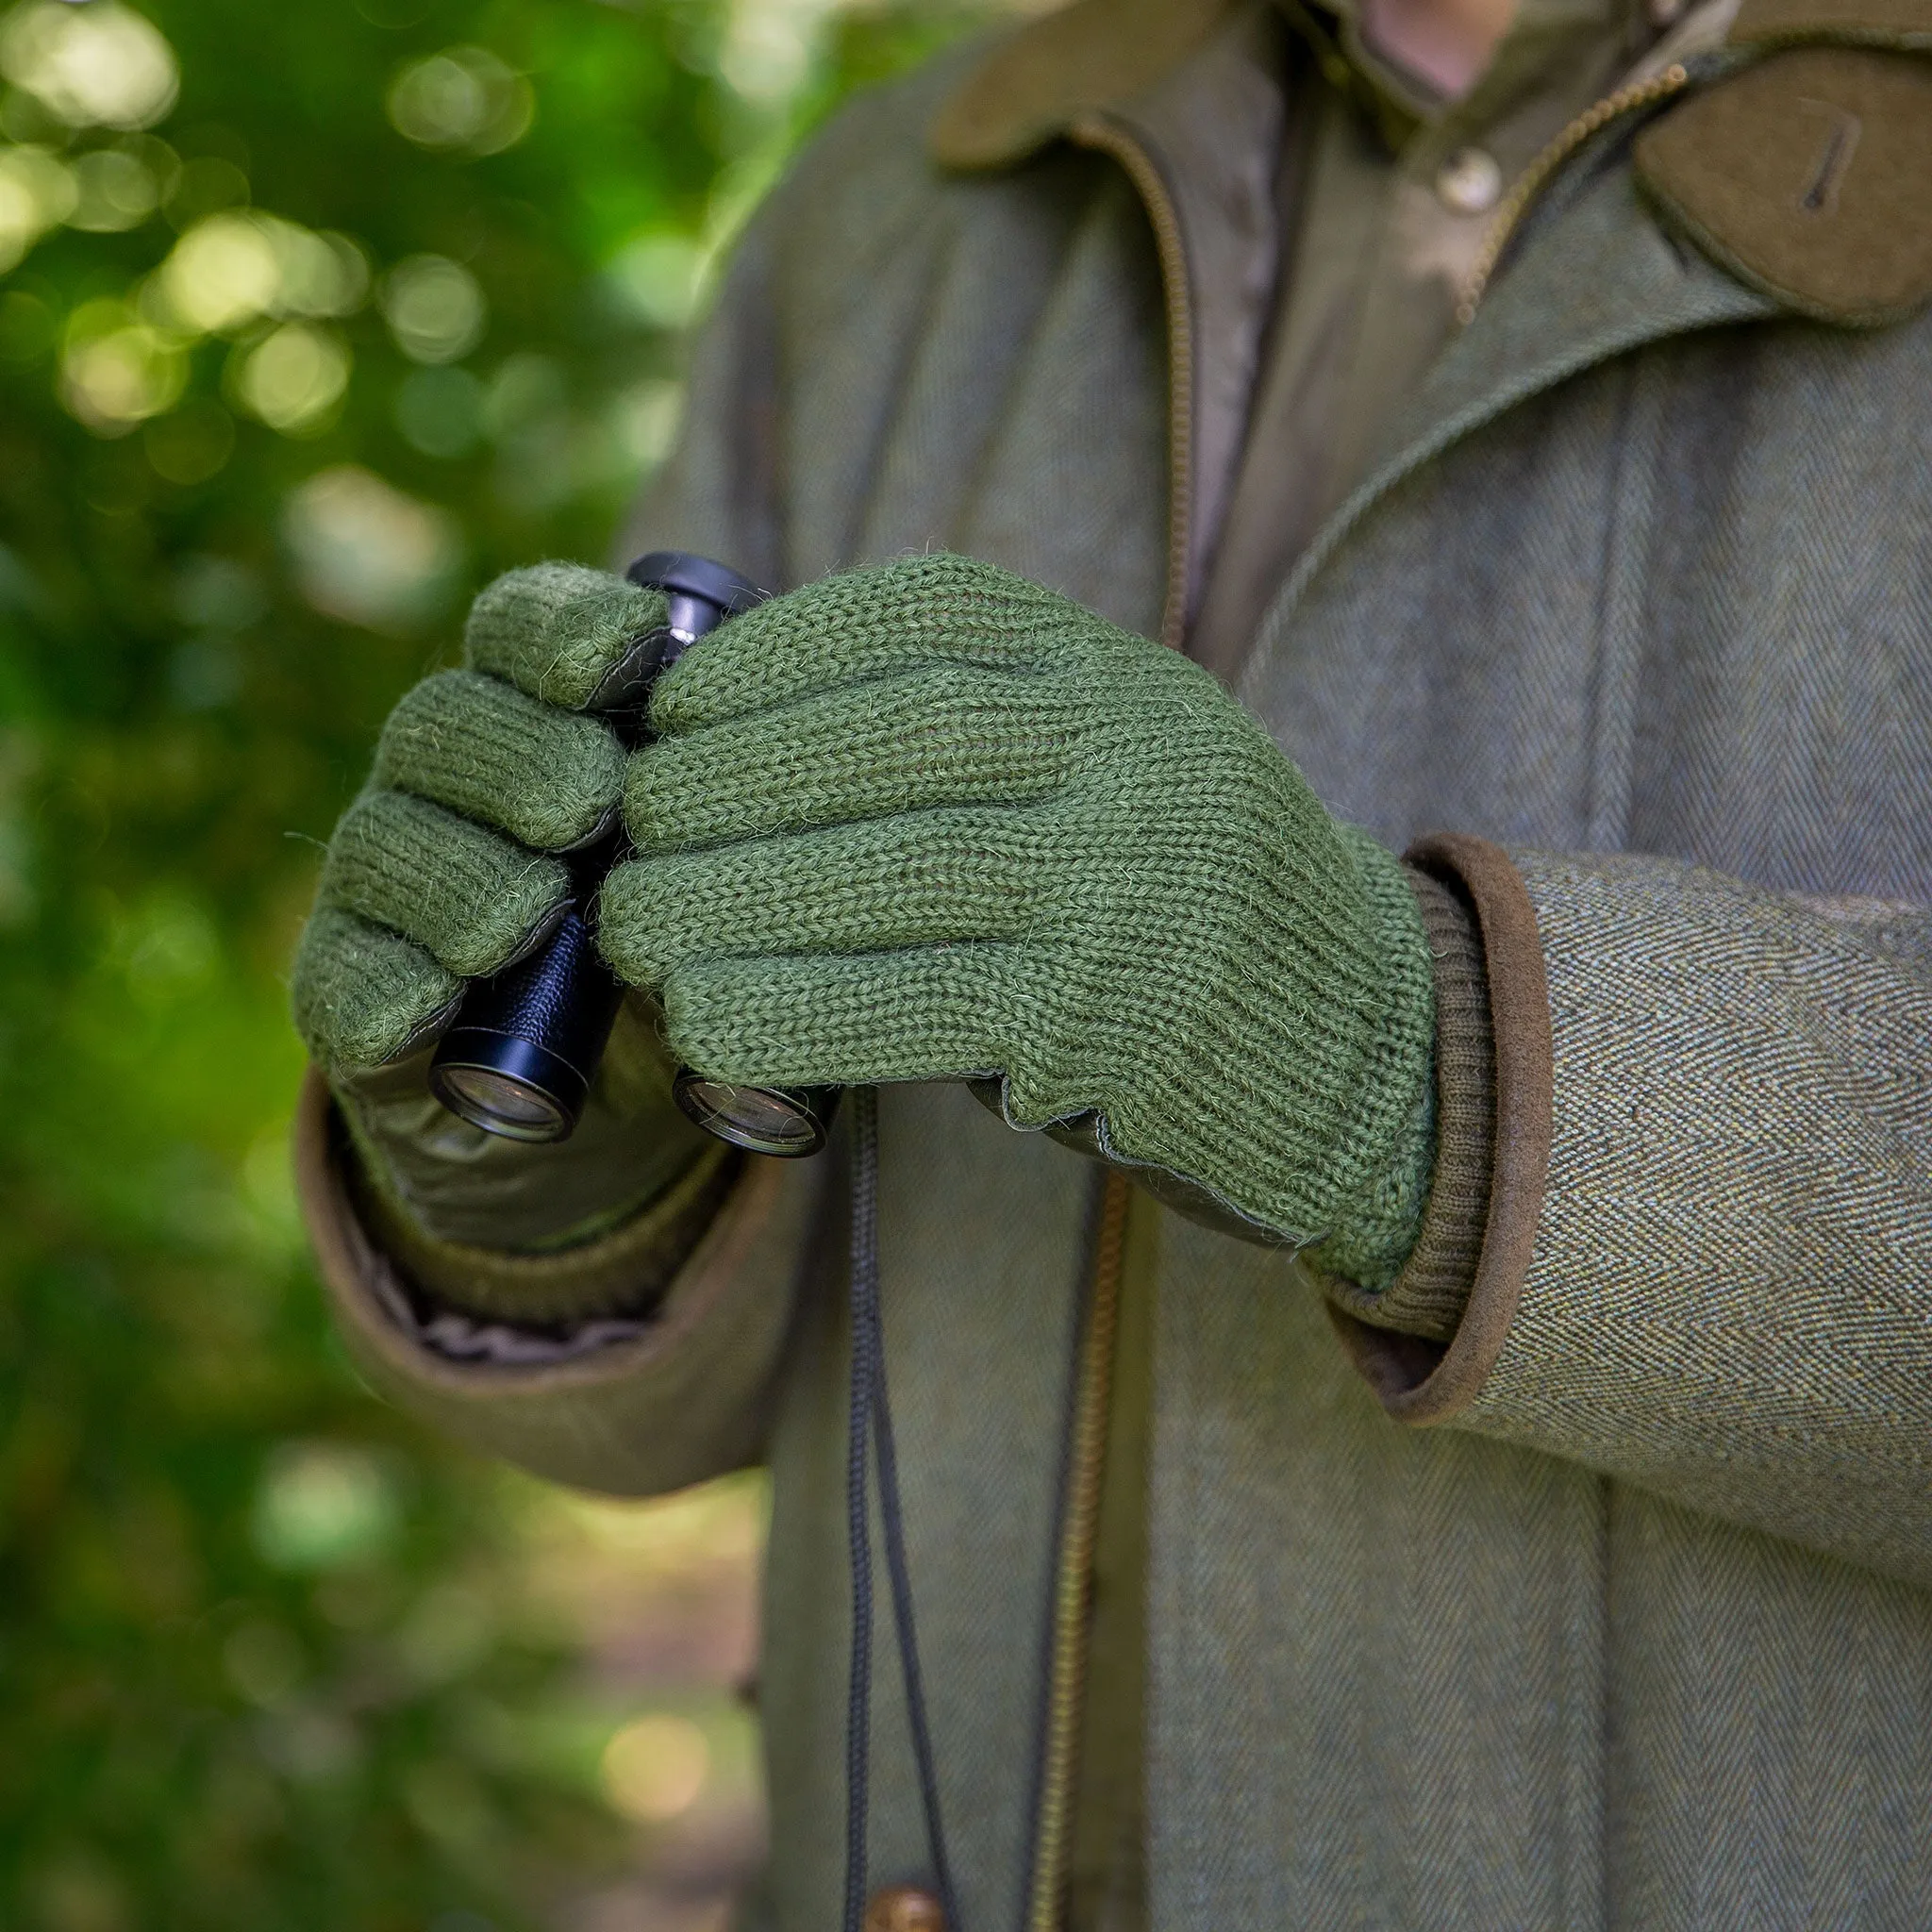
[
  {"x": 446, "y": 867},
  {"x": 930, "y": 820}
]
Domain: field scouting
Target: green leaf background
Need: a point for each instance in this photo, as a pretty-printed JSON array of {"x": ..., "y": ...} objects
[{"x": 305, "y": 332}]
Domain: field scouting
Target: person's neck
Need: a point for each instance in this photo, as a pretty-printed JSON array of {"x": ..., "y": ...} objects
[{"x": 1447, "y": 45}]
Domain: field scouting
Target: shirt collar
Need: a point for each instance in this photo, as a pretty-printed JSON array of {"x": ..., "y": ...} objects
[{"x": 1539, "y": 36}]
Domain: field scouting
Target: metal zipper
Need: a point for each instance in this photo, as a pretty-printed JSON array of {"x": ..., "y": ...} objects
[
  {"x": 1105, "y": 136},
  {"x": 1534, "y": 179},
  {"x": 1073, "y": 1567}
]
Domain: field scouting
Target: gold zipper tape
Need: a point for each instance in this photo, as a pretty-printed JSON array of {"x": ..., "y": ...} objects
[
  {"x": 1536, "y": 177},
  {"x": 1073, "y": 1572}
]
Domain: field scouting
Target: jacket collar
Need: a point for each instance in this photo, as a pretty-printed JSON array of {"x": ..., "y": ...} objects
[
  {"x": 1187, "y": 96},
  {"x": 1187, "y": 99},
  {"x": 1035, "y": 84}
]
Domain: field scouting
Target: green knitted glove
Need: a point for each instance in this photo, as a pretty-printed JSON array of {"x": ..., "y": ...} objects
[
  {"x": 443, "y": 870},
  {"x": 930, "y": 820}
]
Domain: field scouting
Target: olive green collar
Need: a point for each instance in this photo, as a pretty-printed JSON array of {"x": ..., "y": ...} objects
[{"x": 1033, "y": 85}]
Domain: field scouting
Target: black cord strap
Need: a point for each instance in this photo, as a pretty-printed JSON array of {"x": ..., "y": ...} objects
[{"x": 870, "y": 1429}]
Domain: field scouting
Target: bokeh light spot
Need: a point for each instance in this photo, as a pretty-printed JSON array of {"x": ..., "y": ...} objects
[
  {"x": 231, "y": 268},
  {"x": 114, "y": 190},
  {"x": 222, "y": 270},
  {"x": 655, "y": 276},
  {"x": 36, "y": 192},
  {"x": 322, "y": 1505},
  {"x": 101, "y": 65},
  {"x": 463, "y": 98},
  {"x": 434, "y": 308},
  {"x": 369, "y": 553},
  {"x": 117, "y": 371},
  {"x": 655, "y": 1768},
  {"x": 646, "y": 419},
  {"x": 294, "y": 378}
]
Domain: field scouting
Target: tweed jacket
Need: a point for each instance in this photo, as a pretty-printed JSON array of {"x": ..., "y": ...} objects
[{"x": 1614, "y": 1609}]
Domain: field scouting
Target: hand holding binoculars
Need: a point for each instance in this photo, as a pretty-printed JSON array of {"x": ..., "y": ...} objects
[{"x": 523, "y": 1049}]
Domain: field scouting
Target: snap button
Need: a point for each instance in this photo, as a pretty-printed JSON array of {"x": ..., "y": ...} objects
[
  {"x": 902, "y": 1909},
  {"x": 1468, "y": 182}
]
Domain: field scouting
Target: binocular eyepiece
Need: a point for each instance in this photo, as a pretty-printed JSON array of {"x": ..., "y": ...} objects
[{"x": 523, "y": 1051}]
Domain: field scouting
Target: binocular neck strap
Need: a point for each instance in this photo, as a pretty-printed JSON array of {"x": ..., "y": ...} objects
[{"x": 870, "y": 1436}]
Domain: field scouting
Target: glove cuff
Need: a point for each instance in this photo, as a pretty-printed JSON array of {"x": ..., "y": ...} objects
[{"x": 1388, "y": 1146}]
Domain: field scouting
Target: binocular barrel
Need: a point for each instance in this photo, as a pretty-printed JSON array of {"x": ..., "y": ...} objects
[{"x": 523, "y": 1051}]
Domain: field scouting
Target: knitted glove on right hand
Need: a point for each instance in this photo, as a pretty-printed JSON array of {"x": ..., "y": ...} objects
[
  {"x": 444, "y": 869},
  {"x": 929, "y": 821}
]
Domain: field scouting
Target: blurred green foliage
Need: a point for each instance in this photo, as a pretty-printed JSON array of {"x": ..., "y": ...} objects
[{"x": 313, "y": 317}]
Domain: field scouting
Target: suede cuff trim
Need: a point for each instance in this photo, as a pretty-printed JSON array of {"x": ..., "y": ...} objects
[
  {"x": 1423, "y": 1381},
  {"x": 1429, "y": 1295},
  {"x": 363, "y": 1283}
]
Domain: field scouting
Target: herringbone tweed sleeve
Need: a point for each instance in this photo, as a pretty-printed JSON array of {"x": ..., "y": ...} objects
[{"x": 1729, "y": 1300}]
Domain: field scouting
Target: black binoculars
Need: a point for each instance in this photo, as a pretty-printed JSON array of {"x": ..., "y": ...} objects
[{"x": 523, "y": 1048}]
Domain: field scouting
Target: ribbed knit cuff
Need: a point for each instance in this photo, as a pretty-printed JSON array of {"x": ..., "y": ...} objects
[
  {"x": 622, "y": 1273},
  {"x": 1428, "y": 1296}
]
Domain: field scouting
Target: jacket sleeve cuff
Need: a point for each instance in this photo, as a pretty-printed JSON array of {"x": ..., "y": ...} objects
[
  {"x": 618, "y": 1275},
  {"x": 631, "y": 1406},
  {"x": 1480, "y": 1226}
]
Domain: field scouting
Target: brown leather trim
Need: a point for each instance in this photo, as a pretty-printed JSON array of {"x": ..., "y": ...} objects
[
  {"x": 351, "y": 1264},
  {"x": 1806, "y": 175},
  {"x": 1420, "y": 1381}
]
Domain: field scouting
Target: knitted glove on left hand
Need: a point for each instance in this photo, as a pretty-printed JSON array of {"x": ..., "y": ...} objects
[{"x": 929, "y": 819}]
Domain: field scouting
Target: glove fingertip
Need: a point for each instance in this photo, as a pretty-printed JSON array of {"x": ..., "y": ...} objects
[
  {"x": 626, "y": 925},
  {"x": 361, "y": 995},
  {"x": 555, "y": 630}
]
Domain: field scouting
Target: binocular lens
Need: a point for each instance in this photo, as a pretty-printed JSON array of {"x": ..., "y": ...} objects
[
  {"x": 763, "y": 1120},
  {"x": 500, "y": 1104}
]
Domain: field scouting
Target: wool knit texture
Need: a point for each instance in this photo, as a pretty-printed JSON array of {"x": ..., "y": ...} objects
[
  {"x": 362, "y": 994},
  {"x": 1430, "y": 1293},
  {"x": 558, "y": 630},
  {"x": 548, "y": 778},
  {"x": 930, "y": 819},
  {"x": 437, "y": 871},
  {"x": 469, "y": 896}
]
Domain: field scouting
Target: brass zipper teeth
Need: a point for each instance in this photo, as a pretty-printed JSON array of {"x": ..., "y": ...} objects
[
  {"x": 1534, "y": 179},
  {"x": 1105, "y": 137},
  {"x": 1073, "y": 1579}
]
